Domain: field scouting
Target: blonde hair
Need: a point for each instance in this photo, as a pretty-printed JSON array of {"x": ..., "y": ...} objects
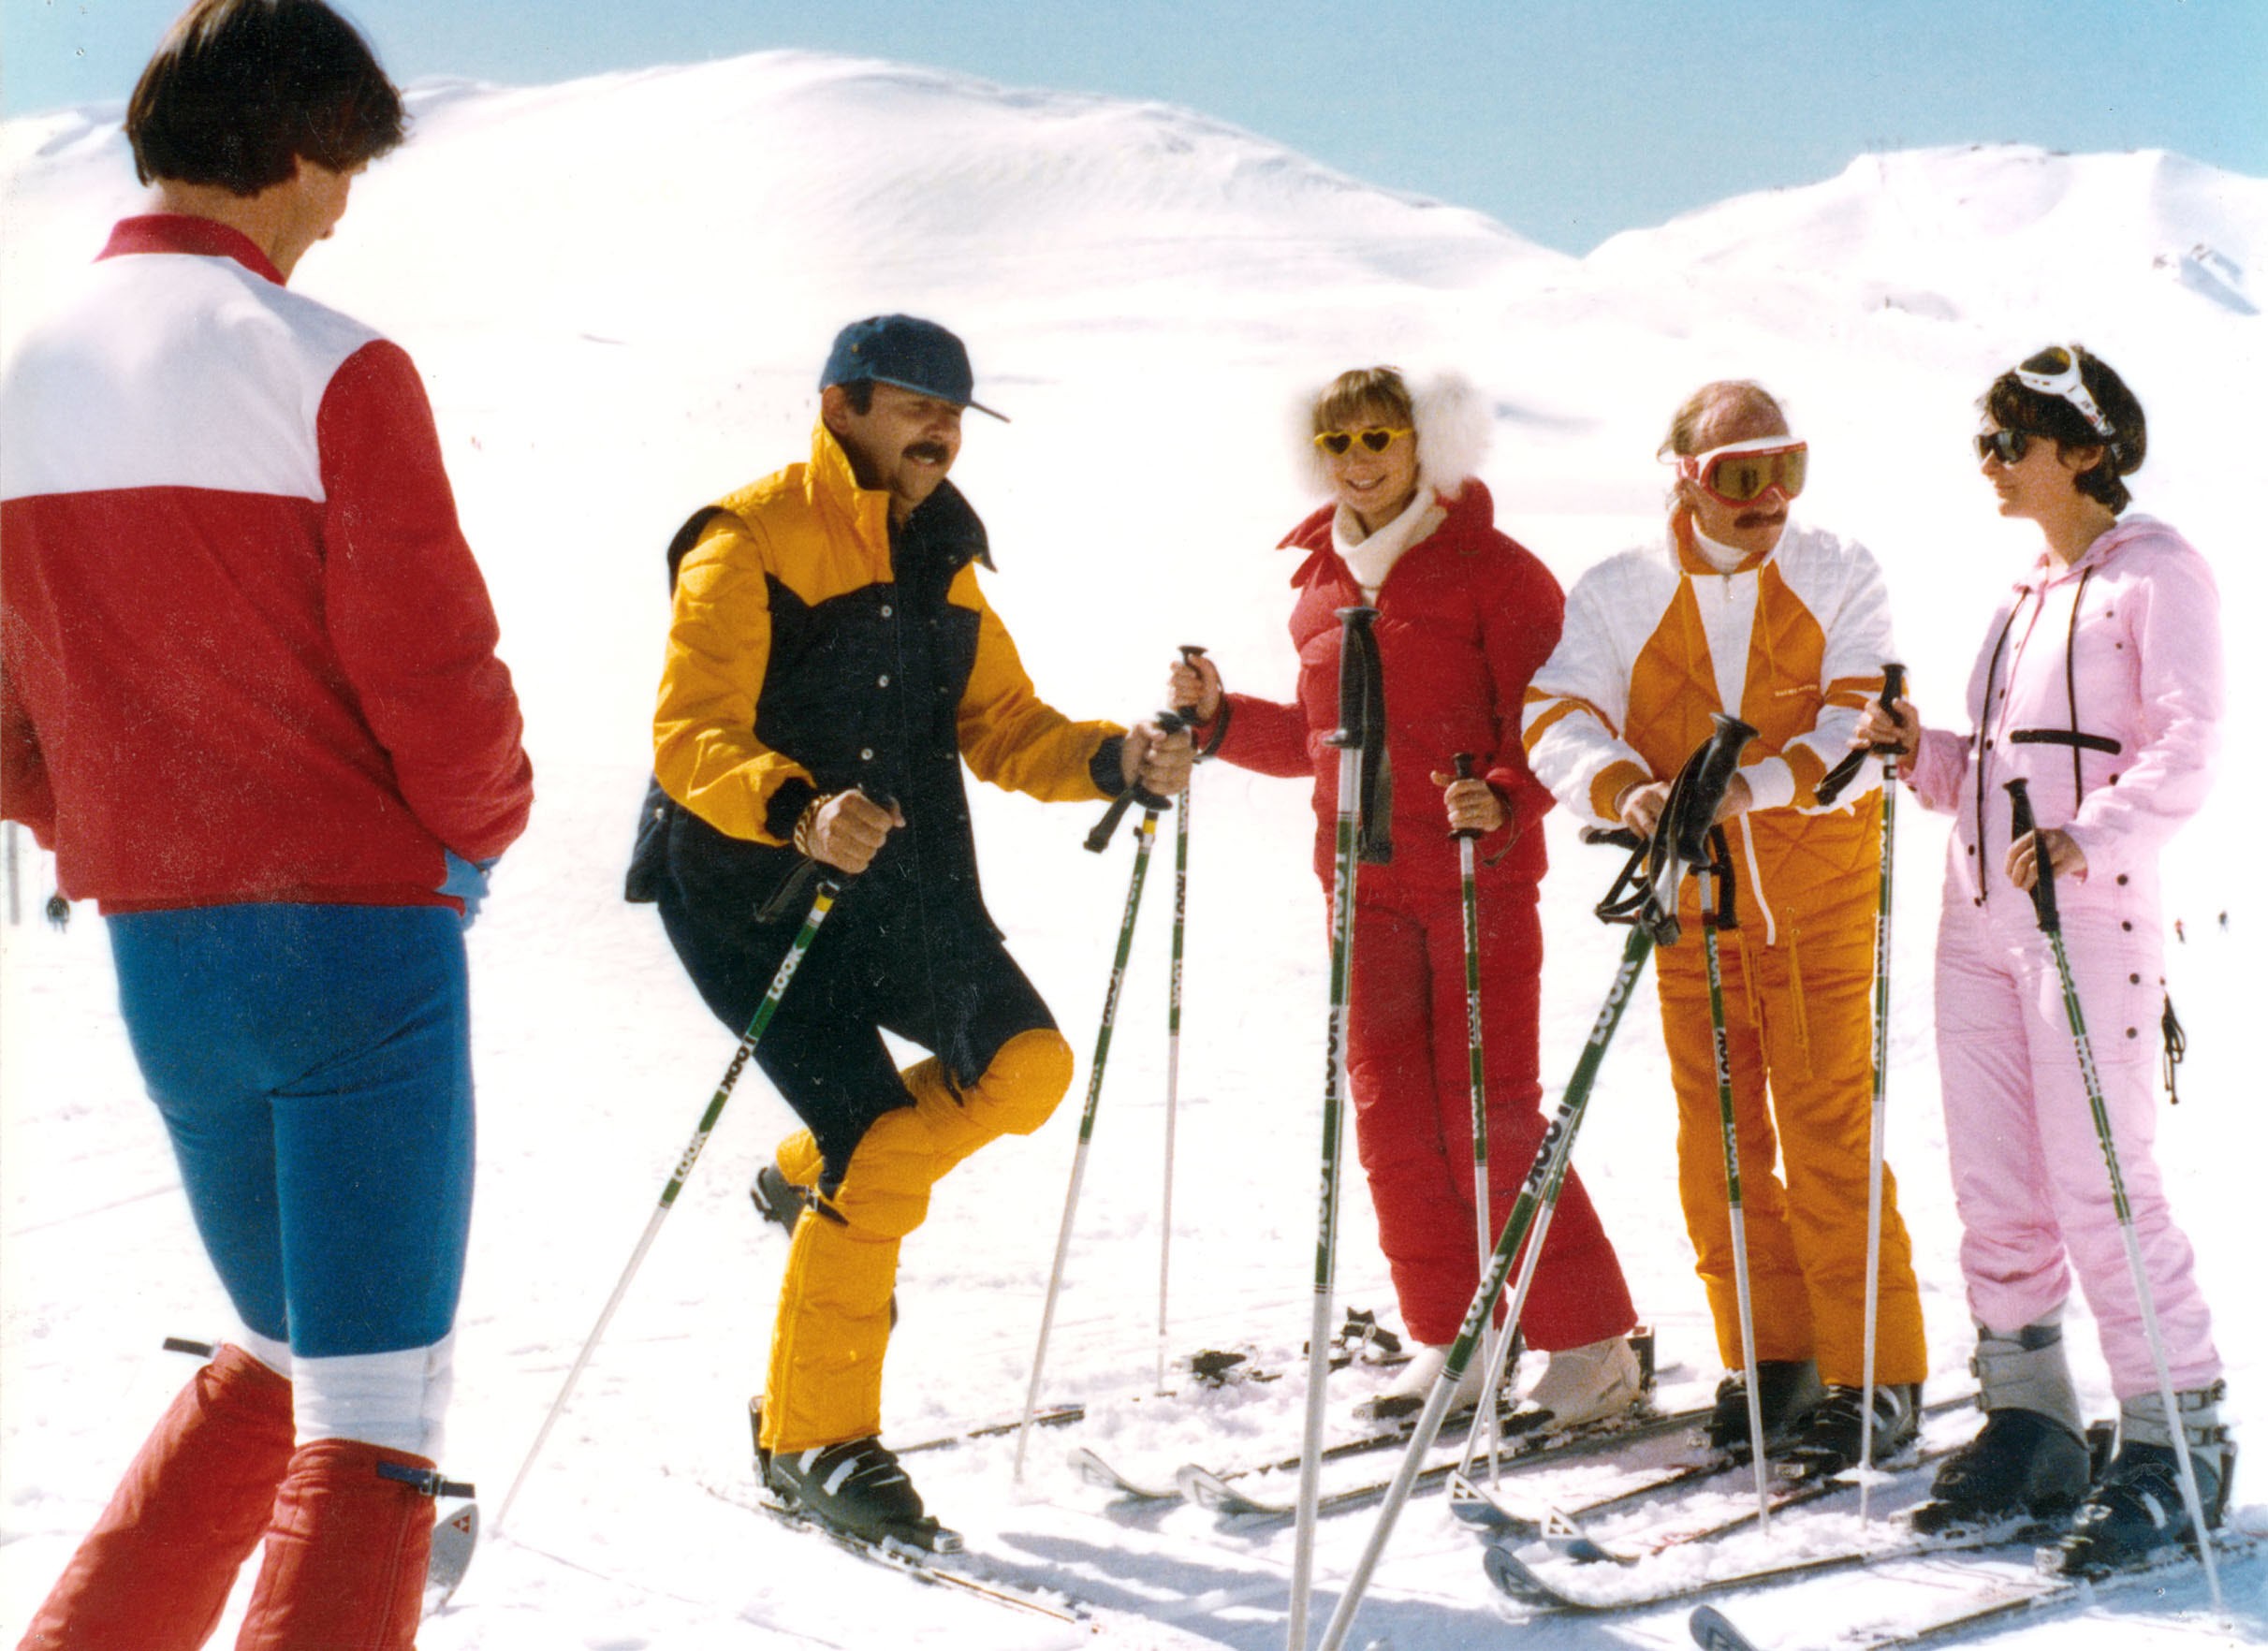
[
  {"x": 1685, "y": 424},
  {"x": 1364, "y": 390}
]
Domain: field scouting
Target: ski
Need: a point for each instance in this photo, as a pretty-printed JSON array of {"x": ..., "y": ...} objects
[
  {"x": 1052, "y": 1416},
  {"x": 1549, "y": 1588},
  {"x": 929, "y": 1567},
  {"x": 456, "y": 1533},
  {"x": 1995, "y": 1600},
  {"x": 1491, "y": 1510},
  {"x": 1217, "y": 1492},
  {"x": 1093, "y": 1470}
]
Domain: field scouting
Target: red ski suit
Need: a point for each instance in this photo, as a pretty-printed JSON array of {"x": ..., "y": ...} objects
[{"x": 1464, "y": 616}]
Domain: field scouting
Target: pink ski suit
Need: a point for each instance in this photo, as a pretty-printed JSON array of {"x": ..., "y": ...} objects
[{"x": 2100, "y": 685}]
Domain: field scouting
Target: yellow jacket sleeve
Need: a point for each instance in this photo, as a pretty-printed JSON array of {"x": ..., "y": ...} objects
[
  {"x": 706, "y": 752},
  {"x": 1009, "y": 736}
]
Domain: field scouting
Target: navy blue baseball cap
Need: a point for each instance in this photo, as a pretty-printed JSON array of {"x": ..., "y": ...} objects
[{"x": 906, "y": 351}]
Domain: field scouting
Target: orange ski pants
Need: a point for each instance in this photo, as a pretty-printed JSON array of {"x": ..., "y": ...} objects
[
  {"x": 1799, "y": 1028},
  {"x": 824, "y": 1384}
]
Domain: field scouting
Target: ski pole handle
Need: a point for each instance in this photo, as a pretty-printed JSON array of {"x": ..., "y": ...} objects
[
  {"x": 1172, "y": 722},
  {"x": 1462, "y": 763},
  {"x": 2021, "y": 824},
  {"x": 1718, "y": 762},
  {"x": 1831, "y": 783}
]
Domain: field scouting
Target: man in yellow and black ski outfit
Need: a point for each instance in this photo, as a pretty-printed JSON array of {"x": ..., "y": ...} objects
[
  {"x": 832, "y": 662},
  {"x": 1738, "y": 608}
]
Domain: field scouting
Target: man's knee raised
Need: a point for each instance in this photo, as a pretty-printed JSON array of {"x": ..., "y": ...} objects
[{"x": 1027, "y": 1079}]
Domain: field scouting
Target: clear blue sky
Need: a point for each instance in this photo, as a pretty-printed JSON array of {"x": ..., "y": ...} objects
[{"x": 1566, "y": 119}]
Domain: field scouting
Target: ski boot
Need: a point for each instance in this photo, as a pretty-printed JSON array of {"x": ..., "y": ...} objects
[
  {"x": 856, "y": 1488},
  {"x": 2136, "y": 1512},
  {"x": 2022, "y": 1465},
  {"x": 1406, "y": 1394},
  {"x": 1788, "y": 1389},
  {"x": 1590, "y": 1383},
  {"x": 1829, "y": 1441}
]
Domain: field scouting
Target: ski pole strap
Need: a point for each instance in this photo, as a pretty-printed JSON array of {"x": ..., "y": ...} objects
[
  {"x": 1362, "y": 728},
  {"x": 2101, "y": 742},
  {"x": 1832, "y": 782},
  {"x": 1701, "y": 785},
  {"x": 2021, "y": 825}
]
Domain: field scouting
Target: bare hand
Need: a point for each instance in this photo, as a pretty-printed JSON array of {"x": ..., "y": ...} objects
[
  {"x": 1899, "y": 728},
  {"x": 1641, "y": 805},
  {"x": 1155, "y": 760},
  {"x": 847, "y": 830},
  {"x": 2064, "y": 857},
  {"x": 1472, "y": 804},
  {"x": 1193, "y": 686}
]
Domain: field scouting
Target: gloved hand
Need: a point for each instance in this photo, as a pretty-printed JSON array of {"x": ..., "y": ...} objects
[{"x": 468, "y": 882}]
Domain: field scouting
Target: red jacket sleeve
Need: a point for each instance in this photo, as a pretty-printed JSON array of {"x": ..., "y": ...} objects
[
  {"x": 409, "y": 613},
  {"x": 1518, "y": 635},
  {"x": 24, "y": 791},
  {"x": 1266, "y": 737}
]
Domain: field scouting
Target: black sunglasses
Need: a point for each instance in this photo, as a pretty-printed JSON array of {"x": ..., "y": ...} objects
[{"x": 2009, "y": 444}]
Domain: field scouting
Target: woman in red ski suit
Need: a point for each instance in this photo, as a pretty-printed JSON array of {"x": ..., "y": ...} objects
[{"x": 1464, "y": 616}]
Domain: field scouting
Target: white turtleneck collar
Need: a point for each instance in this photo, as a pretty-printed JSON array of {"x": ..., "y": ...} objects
[
  {"x": 1724, "y": 558},
  {"x": 1371, "y": 559}
]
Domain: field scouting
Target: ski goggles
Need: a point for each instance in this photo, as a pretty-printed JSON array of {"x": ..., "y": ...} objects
[
  {"x": 2008, "y": 446},
  {"x": 1740, "y": 473},
  {"x": 1376, "y": 439},
  {"x": 2055, "y": 372}
]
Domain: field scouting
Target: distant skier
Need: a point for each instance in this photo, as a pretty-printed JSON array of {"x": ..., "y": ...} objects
[
  {"x": 1465, "y": 617},
  {"x": 249, "y": 696},
  {"x": 1738, "y": 609},
  {"x": 2099, "y": 683},
  {"x": 832, "y": 662}
]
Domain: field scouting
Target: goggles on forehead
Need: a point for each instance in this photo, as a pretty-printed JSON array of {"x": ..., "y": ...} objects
[
  {"x": 2055, "y": 372},
  {"x": 1739, "y": 473},
  {"x": 1376, "y": 439}
]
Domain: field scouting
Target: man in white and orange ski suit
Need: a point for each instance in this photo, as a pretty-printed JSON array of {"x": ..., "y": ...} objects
[{"x": 1786, "y": 627}]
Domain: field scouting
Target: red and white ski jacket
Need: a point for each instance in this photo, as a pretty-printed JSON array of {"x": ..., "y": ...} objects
[
  {"x": 1791, "y": 642},
  {"x": 245, "y": 654}
]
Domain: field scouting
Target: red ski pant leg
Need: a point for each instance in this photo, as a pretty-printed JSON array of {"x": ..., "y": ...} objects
[
  {"x": 156, "y": 1572},
  {"x": 2030, "y": 1178},
  {"x": 1799, "y": 1035},
  {"x": 824, "y": 1381},
  {"x": 1407, "y": 1062}
]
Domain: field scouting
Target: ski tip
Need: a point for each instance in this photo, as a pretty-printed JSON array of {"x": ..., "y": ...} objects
[
  {"x": 456, "y": 1534},
  {"x": 1711, "y": 1631}
]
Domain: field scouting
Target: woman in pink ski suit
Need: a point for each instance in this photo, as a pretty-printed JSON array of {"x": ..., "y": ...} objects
[
  {"x": 2099, "y": 685},
  {"x": 1464, "y": 616}
]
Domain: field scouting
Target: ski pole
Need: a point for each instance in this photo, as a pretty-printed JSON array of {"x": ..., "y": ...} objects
[
  {"x": 1190, "y": 652},
  {"x": 1477, "y": 1085},
  {"x": 1358, "y": 693},
  {"x": 1893, "y": 688},
  {"x": 1714, "y": 873},
  {"x": 1709, "y": 771},
  {"x": 830, "y": 890},
  {"x": 1146, "y": 836},
  {"x": 2050, "y": 924}
]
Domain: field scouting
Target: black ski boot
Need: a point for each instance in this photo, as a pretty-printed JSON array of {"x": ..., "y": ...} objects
[
  {"x": 1786, "y": 1391},
  {"x": 2021, "y": 1466},
  {"x": 856, "y": 1488},
  {"x": 2136, "y": 1512},
  {"x": 1829, "y": 1441}
]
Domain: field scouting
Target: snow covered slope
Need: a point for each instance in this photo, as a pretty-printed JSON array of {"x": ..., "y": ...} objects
[{"x": 619, "y": 290}]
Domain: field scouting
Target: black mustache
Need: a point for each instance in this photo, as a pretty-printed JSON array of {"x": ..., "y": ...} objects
[{"x": 931, "y": 451}]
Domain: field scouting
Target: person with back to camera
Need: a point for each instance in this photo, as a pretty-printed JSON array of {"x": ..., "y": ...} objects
[
  {"x": 1465, "y": 615},
  {"x": 2098, "y": 683},
  {"x": 249, "y": 694},
  {"x": 1739, "y": 609},
  {"x": 832, "y": 662}
]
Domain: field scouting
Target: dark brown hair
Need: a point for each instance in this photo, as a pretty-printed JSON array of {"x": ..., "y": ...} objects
[
  {"x": 239, "y": 90},
  {"x": 2011, "y": 406}
]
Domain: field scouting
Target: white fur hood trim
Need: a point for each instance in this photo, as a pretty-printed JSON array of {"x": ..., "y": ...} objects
[{"x": 1453, "y": 422}]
